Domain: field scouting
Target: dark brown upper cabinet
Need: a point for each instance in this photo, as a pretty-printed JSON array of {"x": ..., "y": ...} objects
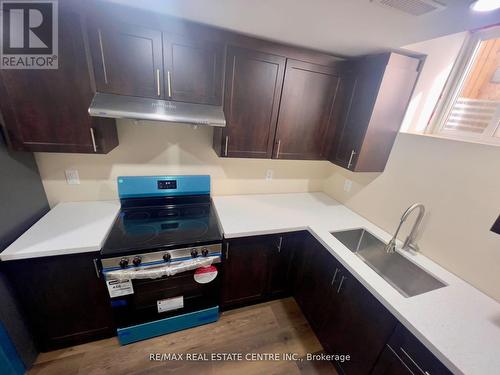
[
  {"x": 371, "y": 104},
  {"x": 46, "y": 110},
  {"x": 306, "y": 111},
  {"x": 193, "y": 70},
  {"x": 128, "y": 60},
  {"x": 251, "y": 102}
]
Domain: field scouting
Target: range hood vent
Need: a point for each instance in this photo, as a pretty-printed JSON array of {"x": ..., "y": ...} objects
[
  {"x": 412, "y": 7},
  {"x": 135, "y": 108}
]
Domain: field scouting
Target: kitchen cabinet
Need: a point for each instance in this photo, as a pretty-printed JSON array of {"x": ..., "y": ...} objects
[
  {"x": 280, "y": 278},
  {"x": 372, "y": 102},
  {"x": 257, "y": 268},
  {"x": 127, "y": 59},
  {"x": 340, "y": 310},
  {"x": 314, "y": 288},
  {"x": 193, "y": 69},
  {"x": 46, "y": 110},
  {"x": 64, "y": 300},
  {"x": 306, "y": 111},
  {"x": 404, "y": 351},
  {"x": 251, "y": 102},
  {"x": 357, "y": 324},
  {"x": 246, "y": 269},
  {"x": 140, "y": 61}
]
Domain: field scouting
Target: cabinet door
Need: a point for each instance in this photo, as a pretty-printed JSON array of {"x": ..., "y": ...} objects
[
  {"x": 128, "y": 60},
  {"x": 358, "y": 325},
  {"x": 305, "y": 111},
  {"x": 47, "y": 110},
  {"x": 251, "y": 101},
  {"x": 279, "y": 265},
  {"x": 64, "y": 299},
  {"x": 313, "y": 294},
  {"x": 246, "y": 269},
  {"x": 389, "y": 363},
  {"x": 193, "y": 70},
  {"x": 359, "y": 90}
]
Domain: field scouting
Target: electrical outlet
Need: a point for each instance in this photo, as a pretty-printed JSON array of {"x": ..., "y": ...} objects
[
  {"x": 347, "y": 185},
  {"x": 269, "y": 174},
  {"x": 72, "y": 177}
]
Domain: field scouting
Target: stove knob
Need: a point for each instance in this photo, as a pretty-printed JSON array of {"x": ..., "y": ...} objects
[
  {"x": 194, "y": 253},
  {"x": 167, "y": 257},
  {"x": 124, "y": 263},
  {"x": 204, "y": 252},
  {"x": 137, "y": 261}
]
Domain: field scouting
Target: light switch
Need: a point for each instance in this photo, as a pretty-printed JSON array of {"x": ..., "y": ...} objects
[
  {"x": 72, "y": 177},
  {"x": 269, "y": 174},
  {"x": 347, "y": 185}
]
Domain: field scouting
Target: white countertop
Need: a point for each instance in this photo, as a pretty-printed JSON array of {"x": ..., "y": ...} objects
[
  {"x": 69, "y": 228},
  {"x": 458, "y": 323}
]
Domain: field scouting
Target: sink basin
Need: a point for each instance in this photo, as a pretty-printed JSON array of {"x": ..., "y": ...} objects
[{"x": 405, "y": 276}]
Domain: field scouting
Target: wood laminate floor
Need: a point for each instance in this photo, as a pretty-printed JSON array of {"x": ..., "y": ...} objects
[{"x": 272, "y": 327}]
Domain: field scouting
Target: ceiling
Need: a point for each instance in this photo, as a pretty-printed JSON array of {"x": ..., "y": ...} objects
[{"x": 345, "y": 27}]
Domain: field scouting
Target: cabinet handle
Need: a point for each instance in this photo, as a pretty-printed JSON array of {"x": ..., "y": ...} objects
[
  {"x": 169, "y": 84},
  {"x": 227, "y": 250},
  {"x": 96, "y": 268},
  {"x": 158, "y": 87},
  {"x": 225, "y": 147},
  {"x": 400, "y": 359},
  {"x": 92, "y": 135},
  {"x": 103, "y": 61},
  {"x": 350, "y": 159},
  {"x": 340, "y": 284},
  {"x": 413, "y": 361},
  {"x": 279, "y": 244},
  {"x": 334, "y": 276},
  {"x": 278, "y": 150}
]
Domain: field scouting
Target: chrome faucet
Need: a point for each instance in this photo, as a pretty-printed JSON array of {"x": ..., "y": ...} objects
[{"x": 410, "y": 240}]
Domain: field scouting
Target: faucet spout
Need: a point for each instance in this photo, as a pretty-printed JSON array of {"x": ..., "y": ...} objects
[{"x": 409, "y": 243}]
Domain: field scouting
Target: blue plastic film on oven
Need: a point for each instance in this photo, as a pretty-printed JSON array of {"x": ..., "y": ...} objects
[
  {"x": 162, "y": 186},
  {"x": 160, "y": 327},
  {"x": 10, "y": 362}
]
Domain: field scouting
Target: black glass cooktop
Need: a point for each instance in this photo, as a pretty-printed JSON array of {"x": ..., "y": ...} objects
[{"x": 150, "y": 226}]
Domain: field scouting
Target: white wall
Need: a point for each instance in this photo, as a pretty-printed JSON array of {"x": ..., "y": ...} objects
[
  {"x": 441, "y": 55},
  {"x": 155, "y": 149},
  {"x": 459, "y": 183}
]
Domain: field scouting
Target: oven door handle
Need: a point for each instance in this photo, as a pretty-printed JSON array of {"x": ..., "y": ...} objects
[{"x": 156, "y": 272}]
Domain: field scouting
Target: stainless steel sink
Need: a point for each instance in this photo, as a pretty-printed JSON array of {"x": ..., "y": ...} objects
[{"x": 408, "y": 278}]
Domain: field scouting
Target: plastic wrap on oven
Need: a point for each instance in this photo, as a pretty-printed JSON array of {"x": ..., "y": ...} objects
[{"x": 159, "y": 271}]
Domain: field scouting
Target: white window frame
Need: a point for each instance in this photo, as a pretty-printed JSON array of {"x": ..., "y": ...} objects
[{"x": 451, "y": 91}]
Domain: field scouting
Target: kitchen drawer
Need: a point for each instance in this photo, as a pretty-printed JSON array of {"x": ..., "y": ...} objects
[{"x": 414, "y": 354}]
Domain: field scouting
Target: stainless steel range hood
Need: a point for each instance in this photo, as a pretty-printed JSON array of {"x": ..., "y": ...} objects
[{"x": 135, "y": 108}]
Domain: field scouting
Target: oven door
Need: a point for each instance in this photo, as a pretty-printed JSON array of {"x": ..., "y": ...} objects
[{"x": 167, "y": 304}]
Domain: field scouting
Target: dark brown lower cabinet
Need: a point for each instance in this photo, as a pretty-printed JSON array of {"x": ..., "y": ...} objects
[
  {"x": 346, "y": 317},
  {"x": 313, "y": 291},
  {"x": 63, "y": 298},
  {"x": 357, "y": 325},
  {"x": 258, "y": 268}
]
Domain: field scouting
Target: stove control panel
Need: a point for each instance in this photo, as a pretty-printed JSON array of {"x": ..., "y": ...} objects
[{"x": 162, "y": 256}]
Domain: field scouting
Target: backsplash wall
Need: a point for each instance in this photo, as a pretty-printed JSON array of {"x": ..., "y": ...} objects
[{"x": 162, "y": 149}]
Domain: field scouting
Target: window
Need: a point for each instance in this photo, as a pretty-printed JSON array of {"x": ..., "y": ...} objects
[{"x": 469, "y": 108}]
